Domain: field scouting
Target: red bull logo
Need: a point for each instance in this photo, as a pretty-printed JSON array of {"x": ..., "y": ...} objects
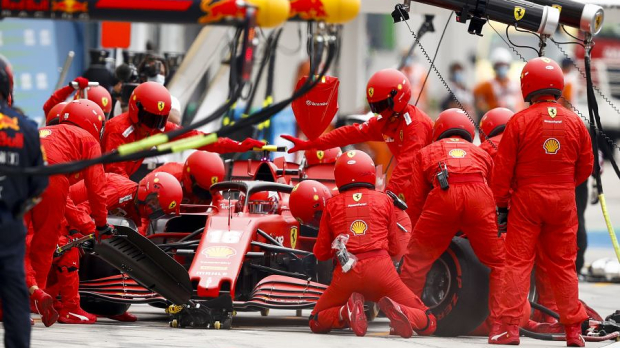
[
  {"x": 7, "y": 122},
  {"x": 26, "y": 5},
  {"x": 308, "y": 9},
  {"x": 216, "y": 10},
  {"x": 70, "y": 6}
]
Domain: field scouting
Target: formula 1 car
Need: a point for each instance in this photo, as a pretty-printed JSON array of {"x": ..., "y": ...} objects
[{"x": 239, "y": 254}]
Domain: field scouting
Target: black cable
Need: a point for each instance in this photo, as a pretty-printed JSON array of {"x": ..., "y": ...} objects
[
  {"x": 265, "y": 113},
  {"x": 114, "y": 156},
  {"x": 598, "y": 132},
  {"x": 263, "y": 64},
  {"x": 521, "y": 46},
  {"x": 445, "y": 84},
  {"x": 594, "y": 115},
  {"x": 428, "y": 73},
  {"x": 545, "y": 310},
  {"x": 598, "y": 91}
]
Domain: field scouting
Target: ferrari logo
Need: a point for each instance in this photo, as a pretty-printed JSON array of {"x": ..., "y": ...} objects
[
  {"x": 519, "y": 12},
  {"x": 359, "y": 227},
  {"x": 545, "y": 59},
  {"x": 316, "y": 197},
  {"x": 371, "y": 92},
  {"x": 401, "y": 135},
  {"x": 551, "y": 146},
  {"x": 401, "y": 197},
  {"x": 214, "y": 180},
  {"x": 172, "y": 205},
  {"x": 295, "y": 188},
  {"x": 558, "y": 7},
  {"x": 598, "y": 21},
  {"x": 104, "y": 101},
  {"x": 161, "y": 105},
  {"x": 294, "y": 230},
  {"x": 357, "y": 197},
  {"x": 553, "y": 112},
  {"x": 320, "y": 155},
  {"x": 351, "y": 153}
]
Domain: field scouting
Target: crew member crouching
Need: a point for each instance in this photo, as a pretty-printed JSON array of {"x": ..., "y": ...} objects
[{"x": 358, "y": 227}]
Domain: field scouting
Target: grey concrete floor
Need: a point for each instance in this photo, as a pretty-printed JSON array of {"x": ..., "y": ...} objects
[
  {"x": 283, "y": 329},
  {"x": 279, "y": 329}
]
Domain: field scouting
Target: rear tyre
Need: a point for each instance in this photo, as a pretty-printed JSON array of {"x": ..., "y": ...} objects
[
  {"x": 371, "y": 309},
  {"x": 457, "y": 290}
]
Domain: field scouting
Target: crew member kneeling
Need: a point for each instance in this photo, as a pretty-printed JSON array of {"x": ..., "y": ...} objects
[
  {"x": 545, "y": 152},
  {"x": 361, "y": 218}
]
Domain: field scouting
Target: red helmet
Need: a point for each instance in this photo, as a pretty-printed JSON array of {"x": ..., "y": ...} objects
[
  {"x": 102, "y": 97},
  {"x": 541, "y": 76},
  {"x": 84, "y": 114},
  {"x": 307, "y": 201},
  {"x": 314, "y": 157},
  {"x": 388, "y": 91},
  {"x": 494, "y": 122},
  {"x": 53, "y": 116},
  {"x": 149, "y": 105},
  {"x": 201, "y": 170},
  {"x": 6, "y": 79},
  {"x": 453, "y": 122},
  {"x": 159, "y": 194},
  {"x": 354, "y": 168},
  {"x": 263, "y": 202}
]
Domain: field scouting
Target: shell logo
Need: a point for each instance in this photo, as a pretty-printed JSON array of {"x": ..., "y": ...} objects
[
  {"x": 44, "y": 133},
  {"x": 457, "y": 153},
  {"x": 219, "y": 252},
  {"x": 551, "y": 146},
  {"x": 359, "y": 227}
]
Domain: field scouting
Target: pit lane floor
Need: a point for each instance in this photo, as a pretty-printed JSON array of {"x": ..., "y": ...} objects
[{"x": 279, "y": 329}]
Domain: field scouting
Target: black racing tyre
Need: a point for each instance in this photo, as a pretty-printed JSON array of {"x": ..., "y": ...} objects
[
  {"x": 92, "y": 267},
  {"x": 457, "y": 290},
  {"x": 371, "y": 309}
]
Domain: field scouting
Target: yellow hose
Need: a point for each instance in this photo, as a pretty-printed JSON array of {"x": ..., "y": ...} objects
[{"x": 610, "y": 228}]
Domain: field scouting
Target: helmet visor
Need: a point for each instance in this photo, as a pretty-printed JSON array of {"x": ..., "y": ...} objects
[
  {"x": 151, "y": 120},
  {"x": 380, "y": 106},
  {"x": 152, "y": 206},
  {"x": 200, "y": 192}
]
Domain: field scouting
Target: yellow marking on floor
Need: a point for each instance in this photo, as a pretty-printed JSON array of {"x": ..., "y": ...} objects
[
  {"x": 602, "y": 284},
  {"x": 386, "y": 333}
]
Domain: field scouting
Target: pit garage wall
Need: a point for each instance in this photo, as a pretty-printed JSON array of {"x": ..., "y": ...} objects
[
  {"x": 37, "y": 49},
  {"x": 357, "y": 62}
]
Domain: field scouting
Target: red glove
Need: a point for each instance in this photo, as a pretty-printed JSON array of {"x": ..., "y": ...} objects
[
  {"x": 82, "y": 82},
  {"x": 299, "y": 144},
  {"x": 248, "y": 144}
]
